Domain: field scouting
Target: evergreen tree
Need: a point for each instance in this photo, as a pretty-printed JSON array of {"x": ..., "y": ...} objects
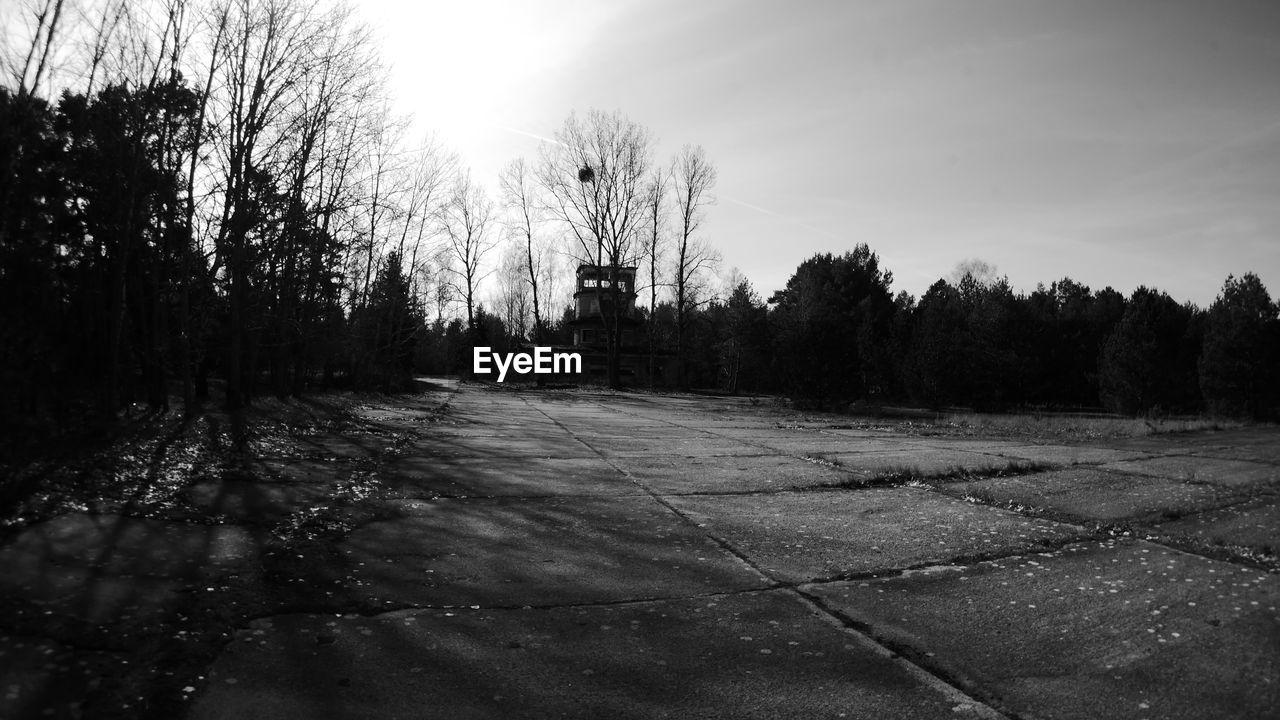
[
  {"x": 1147, "y": 363},
  {"x": 386, "y": 330},
  {"x": 832, "y": 320},
  {"x": 935, "y": 377},
  {"x": 743, "y": 340},
  {"x": 1239, "y": 358},
  {"x": 993, "y": 345}
]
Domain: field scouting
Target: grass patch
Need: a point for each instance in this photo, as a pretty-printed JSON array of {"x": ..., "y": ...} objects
[
  {"x": 1058, "y": 426},
  {"x": 913, "y": 476},
  {"x": 1074, "y": 426},
  {"x": 1262, "y": 557}
]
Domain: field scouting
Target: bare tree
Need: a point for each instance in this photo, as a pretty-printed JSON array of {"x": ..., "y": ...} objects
[
  {"x": 334, "y": 98},
  {"x": 42, "y": 21},
  {"x": 514, "y": 296},
  {"x": 651, "y": 252},
  {"x": 155, "y": 43},
  {"x": 431, "y": 171},
  {"x": 436, "y": 278},
  {"x": 518, "y": 192},
  {"x": 186, "y": 333},
  {"x": 466, "y": 220},
  {"x": 385, "y": 171},
  {"x": 595, "y": 176},
  {"x": 108, "y": 22},
  {"x": 214, "y": 155},
  {"x": 552, "y": 269},
  {"x": 182, "y": 26},
  {"x": 694, "y": 177},
  {"x": 262, "y": 90}
]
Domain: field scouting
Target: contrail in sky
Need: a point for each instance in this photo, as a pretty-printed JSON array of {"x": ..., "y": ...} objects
[
  {"x": 757, "y": 208},
  {"x": 781, "y": 217},
  {"x": 535, "y": 136}
]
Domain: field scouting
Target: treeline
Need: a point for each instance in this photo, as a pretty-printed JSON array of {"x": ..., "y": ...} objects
[
  {"x": 205, "y": 192},
  {"x": 198, "y": 194},
  {"x": 212, "y": 198},
  {"x": 837, "y": 335}
]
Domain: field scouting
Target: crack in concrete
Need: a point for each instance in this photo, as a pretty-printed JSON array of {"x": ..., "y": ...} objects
[
  {"x": 771, "y": 451},
  {"x": 936, "y": 674},
  {"x": 1192, "y": 456},
  {"x": 922, "y": 672},
  {"x": 658, "y": 498},
  {"x": 771, "y": 585},
  {"x": 549, "y": 496},
  {"x": 916, "y": 662},
  {"x": 1100, "y": 529},
  {"x": 928, "y": 670},
  {"x": 1143, "y": 527}
]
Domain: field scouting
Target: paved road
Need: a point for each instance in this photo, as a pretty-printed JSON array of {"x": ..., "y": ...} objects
[{"x": 541, "y": 555}]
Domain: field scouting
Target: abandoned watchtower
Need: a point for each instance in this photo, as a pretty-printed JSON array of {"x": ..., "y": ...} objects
[{"x": 595, "y": 285}]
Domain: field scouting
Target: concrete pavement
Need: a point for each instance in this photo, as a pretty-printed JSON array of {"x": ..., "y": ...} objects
[{"x": 541, "y": 554}]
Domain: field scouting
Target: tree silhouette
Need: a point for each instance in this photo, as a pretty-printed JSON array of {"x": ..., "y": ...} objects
[
  {"x": 744, "y": 339},
  {"x": 934, "y": 377},
  {"x": 386, "y": 328},
  {"x": 830, "y": 323},
  {"x": 1148, "y": 361},
  {"x": 1239, "y": 358}
]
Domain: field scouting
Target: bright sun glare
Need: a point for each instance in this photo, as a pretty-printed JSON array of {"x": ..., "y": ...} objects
[{"x": 463, "y": 72}]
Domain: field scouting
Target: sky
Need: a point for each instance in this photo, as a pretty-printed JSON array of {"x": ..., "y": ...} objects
[{"x": 1116, "y": 143}]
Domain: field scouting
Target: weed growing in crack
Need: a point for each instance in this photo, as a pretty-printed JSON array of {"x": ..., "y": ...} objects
[
  {"x": 913, "y": 476},
  {"x": 824, "y": 459},
  {"x": 1042, "y": 425},
  {"x": 1263, "y": 557}
]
